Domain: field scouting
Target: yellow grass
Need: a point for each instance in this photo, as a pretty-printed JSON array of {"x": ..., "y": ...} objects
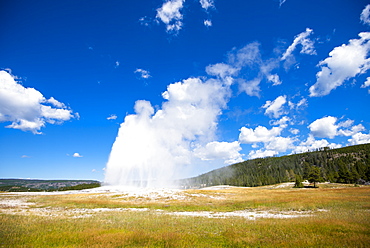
[{"x": 344, "y": 223}]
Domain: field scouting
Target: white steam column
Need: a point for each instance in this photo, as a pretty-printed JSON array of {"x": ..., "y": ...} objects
[{"x": 152, "y": 147}]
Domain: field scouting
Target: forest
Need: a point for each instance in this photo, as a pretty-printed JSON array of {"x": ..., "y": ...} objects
[{"x": 344, "y": 165}]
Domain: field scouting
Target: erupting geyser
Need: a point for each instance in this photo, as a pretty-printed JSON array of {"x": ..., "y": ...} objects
[{"x": 151, "y": 147}]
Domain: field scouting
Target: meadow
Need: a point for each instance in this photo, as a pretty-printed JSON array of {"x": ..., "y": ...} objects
[{"x": 332, "y": 215}]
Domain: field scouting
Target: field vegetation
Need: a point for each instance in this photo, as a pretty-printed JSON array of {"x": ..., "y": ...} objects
[{"x": 333, "y": 215}]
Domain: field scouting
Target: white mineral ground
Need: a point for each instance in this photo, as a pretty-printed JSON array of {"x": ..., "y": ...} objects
[{"x": 17, "y": 203}]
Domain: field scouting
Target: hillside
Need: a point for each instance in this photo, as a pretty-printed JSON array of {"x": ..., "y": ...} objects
[
  {"x": 344, "y": 165},
  {"x": 22, "y": 185}
]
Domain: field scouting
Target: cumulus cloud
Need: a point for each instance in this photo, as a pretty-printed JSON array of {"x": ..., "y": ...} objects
[
  {"x": 170, "y": 15},
  {"x": 303, "y": 40},
  {"x": 206, "y": 4},
  {"x": 324, "y": 127},
  {"x": 282, "y": 122},
  {"x": 261, "y": 154},
  {"x": 352, "y": 131},
  {"x": 274, "y": 109},
  {"x": 259, "y": 134},
  {"x": 344, "y": 62},
  {"x": 366, "y": 83},
  {"x": 294, "y": 131},
  {"x": 143, "y": 73},
  {"x": 26, "y": 108},
  {"x": 207, "y": 23},
  {"x": 274, "y": 79},
  {"x": 365, "y": 15},
  {"x": 76, "y": 155},
  {"x": 359, "y": 138},
  {"x": 311, "y": 144},
  {"x": 271, "y": 139},
  {"x": 226, "y": 151},
  {"x": 280, "y": 144},
  {"x": 327, "y": 127}
]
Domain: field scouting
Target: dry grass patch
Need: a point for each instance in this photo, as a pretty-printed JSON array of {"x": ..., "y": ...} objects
[{"x": 344, "y": 223}]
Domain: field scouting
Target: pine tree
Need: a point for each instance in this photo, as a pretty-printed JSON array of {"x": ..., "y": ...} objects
[
  {"x": 315, "y": 175},
  {"x": 298, "y": 182}
]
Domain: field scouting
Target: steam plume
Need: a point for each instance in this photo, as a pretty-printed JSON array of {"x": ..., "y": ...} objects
[{"x": 152, "y": 145}]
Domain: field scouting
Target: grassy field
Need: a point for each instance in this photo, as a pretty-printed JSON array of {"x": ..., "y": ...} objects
[{"x": 331, "y": 216}]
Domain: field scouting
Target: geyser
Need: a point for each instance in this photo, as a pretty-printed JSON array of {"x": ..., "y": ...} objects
[{"x": 152, "y": 146}]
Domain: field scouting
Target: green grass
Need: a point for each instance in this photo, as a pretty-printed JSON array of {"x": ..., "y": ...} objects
[{"x": 345, "y": 224}]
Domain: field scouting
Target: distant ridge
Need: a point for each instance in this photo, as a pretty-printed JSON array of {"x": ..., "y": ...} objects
[
  {"x": 35, "y": 185},
  {"x": 343, "y": 165}
]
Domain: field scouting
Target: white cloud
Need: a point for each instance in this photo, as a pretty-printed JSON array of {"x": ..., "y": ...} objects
[
  {"x": 350, "y": 132},
  {"x": 76, "y": 155},
  {"x": 346, "y": 123},
  {"x": 26, "y": 108},
  {"x": 207, "y": 23},
  {"x": 275, "y": 108},
  {"x": 228, "y": 152},
  {"x": 112, "y": 117},
  {"x": 282, "y": 122},
  {"x": 301, "y": 39},
  {"x": 324, "y": 127},
  {"x": 259, "y": 134},
  {"x": 366, "y": 83},
  {"x": 280, "y": 144},
  {"x": 312, "y": 144},
  {"x": 206, "y": 4},
  {"x": 359, "y": 138},
  {"x": 275, "y": 79},
  {"x": 145, "y": 21},
  {"x": 261, "y": 154},
  {"x": 246, "y": 56},
  {"x": 272, "y": 141},
  {"x": 365, "y": 15},
  {"x": 143, "y": 73},
  {"x": 241, "y": 64},
  {"x": 55, "y": 103},
  {"x": 251, "y": 88},
  {"x": 302, "y": 103},
  {"x": 170, "y": 15},
  {"x": 294, "y": 131},
  {"x": 344, "y": 62},
  {"x": 221, "y": 70},
  {"x": 281, "y": 2}
]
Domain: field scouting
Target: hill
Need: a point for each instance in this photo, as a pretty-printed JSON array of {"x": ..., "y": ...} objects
[
  {"x": 344, "y": 165},
  {"x": 24, "y": 185}
]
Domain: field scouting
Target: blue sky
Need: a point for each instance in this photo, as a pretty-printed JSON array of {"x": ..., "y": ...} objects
[{"x": 207, "y": 83}]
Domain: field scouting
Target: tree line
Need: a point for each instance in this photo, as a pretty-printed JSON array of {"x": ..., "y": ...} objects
[{"x": 344, "y": 165}]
